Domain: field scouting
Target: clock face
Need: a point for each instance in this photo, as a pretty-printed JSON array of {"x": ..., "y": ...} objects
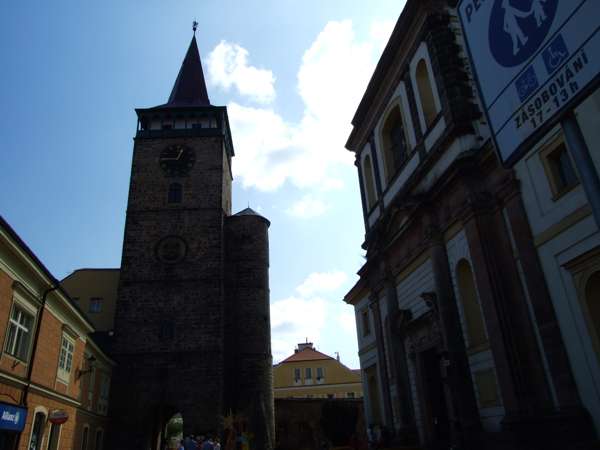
[{"x": 177, "y": 160}]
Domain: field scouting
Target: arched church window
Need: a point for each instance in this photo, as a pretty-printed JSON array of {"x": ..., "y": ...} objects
[
  {"x": 368, "y": 180},
  {"x": 426, "y": 93},
  {"x": 470, "y": 303},
  {"x": 175, "y": 193},
  {"x": 592, "y": 300},
  {"x": 395, "y": 149}
]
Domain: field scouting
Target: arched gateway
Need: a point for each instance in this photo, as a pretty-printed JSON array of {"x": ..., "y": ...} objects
[{"x": 192, "y": 327}]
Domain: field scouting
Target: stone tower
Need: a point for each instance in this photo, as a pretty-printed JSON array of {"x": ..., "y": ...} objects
[{"x": 192, "y": 333}]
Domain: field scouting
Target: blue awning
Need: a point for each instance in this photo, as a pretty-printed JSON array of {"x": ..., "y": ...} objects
[{"x": 12, "y": 417}]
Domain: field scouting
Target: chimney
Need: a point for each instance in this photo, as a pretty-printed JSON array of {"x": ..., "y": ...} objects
[{"x": 304, "y": 345}]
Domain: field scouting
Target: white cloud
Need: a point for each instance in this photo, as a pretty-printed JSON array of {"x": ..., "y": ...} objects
[
  {"x": 332, "y": 78},
  {"x": 308, "y": 207},
  {"x": 320, "y": 282},
  {"x": 228, "y": 66},
  {"x": 292, "y": 321},
  {"x": 347, "y": 321},
  {"x": 307, "y": 314}
]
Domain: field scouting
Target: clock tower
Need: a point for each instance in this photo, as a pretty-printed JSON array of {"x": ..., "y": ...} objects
[{"x": 192, "y": 332}]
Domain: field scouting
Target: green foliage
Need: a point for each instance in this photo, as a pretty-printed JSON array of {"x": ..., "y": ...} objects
[{"x": 174, "y": 428}]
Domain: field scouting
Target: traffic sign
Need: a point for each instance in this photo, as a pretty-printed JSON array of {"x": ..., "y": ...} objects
[{"x": 533, "y": 60}]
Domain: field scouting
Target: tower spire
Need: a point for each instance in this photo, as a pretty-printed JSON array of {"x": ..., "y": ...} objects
[{"x": 190, "y": 87}]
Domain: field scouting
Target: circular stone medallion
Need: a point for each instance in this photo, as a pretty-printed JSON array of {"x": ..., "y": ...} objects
[{"x": 171, "y": 249}]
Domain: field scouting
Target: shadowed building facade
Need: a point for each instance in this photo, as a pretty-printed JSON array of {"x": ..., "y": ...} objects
[
  {"x": 192, "y": 327},
  {"x": 460, "y": 343}
]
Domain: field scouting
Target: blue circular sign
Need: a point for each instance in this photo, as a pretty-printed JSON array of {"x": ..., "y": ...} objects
[{"x": 518, "y": 28}]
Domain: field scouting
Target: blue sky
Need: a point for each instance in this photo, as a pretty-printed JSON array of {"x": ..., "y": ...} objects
[{"x": 291, "y": 73}]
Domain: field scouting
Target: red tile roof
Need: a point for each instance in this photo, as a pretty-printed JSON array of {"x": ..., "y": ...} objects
[{"x": 306, "y": 354}]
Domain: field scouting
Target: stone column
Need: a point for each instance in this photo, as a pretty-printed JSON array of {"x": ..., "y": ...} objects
[
  {"x": 401, "y": 401},
  {"x": 535, "y": 283},
  {"x": 466, "y": 426},
  {"x": 384, "y": 381}
]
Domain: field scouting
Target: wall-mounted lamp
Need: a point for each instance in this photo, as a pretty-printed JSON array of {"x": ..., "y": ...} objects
[{"x": 90, "y": 359}]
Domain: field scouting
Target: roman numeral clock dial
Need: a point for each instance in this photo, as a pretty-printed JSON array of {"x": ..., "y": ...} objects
[{"x": 177, "y": 160}]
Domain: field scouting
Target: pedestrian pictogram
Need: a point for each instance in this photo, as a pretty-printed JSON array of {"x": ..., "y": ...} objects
[{"x": 518, "y": 28}]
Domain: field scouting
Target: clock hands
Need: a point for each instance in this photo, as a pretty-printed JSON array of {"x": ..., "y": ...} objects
[{"x": 174, "y": 159}]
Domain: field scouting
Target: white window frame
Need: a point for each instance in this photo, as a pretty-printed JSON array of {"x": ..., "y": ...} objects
[
  {"x": 423, "y": 53},
  {"x": 321, "y": 379},
  {"x": 308, "y": 379},
  {"x": 19, "y": 329},
  {"x": 44, "y": 412},
  {"x": 66, "y": 368},
  {"x": 400, "y": 100}
]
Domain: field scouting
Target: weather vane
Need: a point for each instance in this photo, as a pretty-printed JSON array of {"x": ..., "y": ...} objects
[{"x": 194, "y": 26}]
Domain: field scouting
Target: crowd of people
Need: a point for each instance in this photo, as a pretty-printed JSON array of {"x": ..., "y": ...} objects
[{"x": 200, "y": 443}]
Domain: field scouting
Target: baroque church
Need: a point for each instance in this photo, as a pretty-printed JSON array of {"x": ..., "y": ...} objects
[{"x": 191, "y": 323}]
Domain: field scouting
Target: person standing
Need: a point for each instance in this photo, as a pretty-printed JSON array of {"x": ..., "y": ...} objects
[{"x": 208, "y": 444}]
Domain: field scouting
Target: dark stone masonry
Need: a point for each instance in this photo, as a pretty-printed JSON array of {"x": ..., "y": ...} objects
[{"x": 192, "y": 327}]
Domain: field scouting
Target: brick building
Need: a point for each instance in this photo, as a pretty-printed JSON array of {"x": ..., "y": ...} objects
[
  {"x": 459, "y": 341},
  {"x": 50, "y": 368}
]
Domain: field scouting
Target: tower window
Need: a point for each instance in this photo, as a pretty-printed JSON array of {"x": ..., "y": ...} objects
[{"x": 175, "y": 193}]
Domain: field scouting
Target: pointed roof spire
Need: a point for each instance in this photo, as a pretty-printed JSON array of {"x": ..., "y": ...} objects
[{"x": 190, "y": 87}]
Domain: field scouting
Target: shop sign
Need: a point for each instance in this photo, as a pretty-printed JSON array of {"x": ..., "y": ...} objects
[
  {"x": 12, "y": 417},
  {"x": 58, "y": 416},
  {"x": 533, "y": 60}
]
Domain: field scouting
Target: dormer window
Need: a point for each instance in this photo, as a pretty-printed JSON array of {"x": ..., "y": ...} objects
[{"x": 395, "y": 148}]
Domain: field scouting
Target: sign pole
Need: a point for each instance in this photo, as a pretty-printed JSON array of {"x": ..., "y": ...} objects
[{"x": 583, "y": 161}]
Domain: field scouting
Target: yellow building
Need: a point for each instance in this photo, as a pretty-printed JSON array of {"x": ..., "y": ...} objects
[
  {"x": 95, "y": 292},
  {"x": 309, "y": 373}
]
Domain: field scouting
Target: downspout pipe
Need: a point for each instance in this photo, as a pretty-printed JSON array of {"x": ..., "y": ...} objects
[{"x": 36, "y": 336}]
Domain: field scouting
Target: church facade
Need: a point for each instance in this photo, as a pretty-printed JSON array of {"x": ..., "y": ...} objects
[
  {"x": 191, "y": 327},
  {"x": 459, "y": 341}
]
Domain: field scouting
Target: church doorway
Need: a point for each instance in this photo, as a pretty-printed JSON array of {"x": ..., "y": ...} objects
[{"x": 437, "y": 421}]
